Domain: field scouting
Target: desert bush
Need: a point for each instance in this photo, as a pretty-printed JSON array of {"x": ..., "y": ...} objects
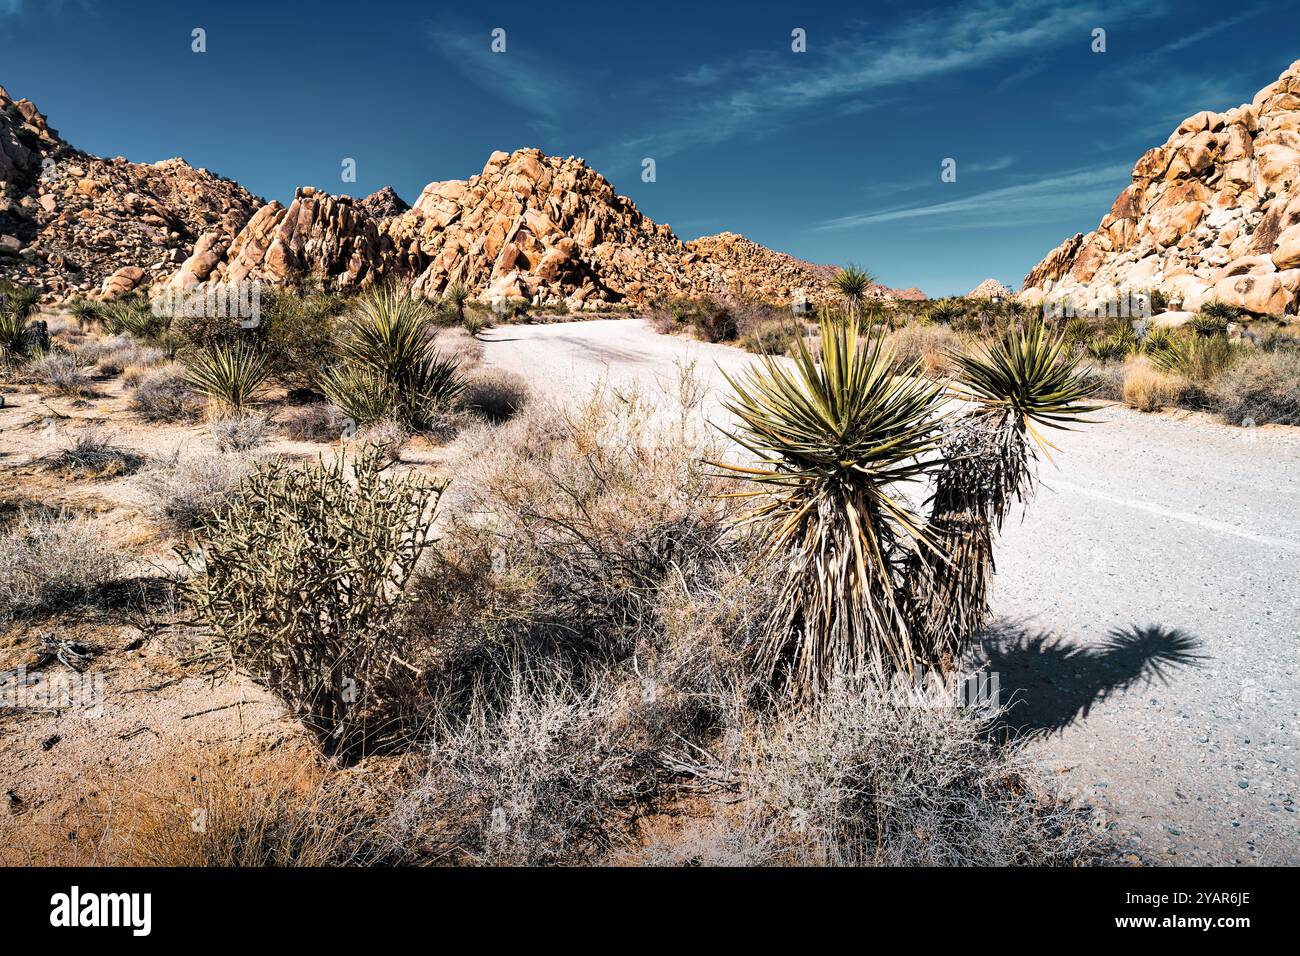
[
  {"x": 1148, "y": 389},
  {"x": 48, "y": 562},
  {"x": 92, "y": 454},
  {"x": 475, "y": 324},
  {"x": 543, "y": 774},
  {"x": 319, "y": 422},
  {"x": 866, "y": 780},
  {"x": 113, "y": 356},
  {"x": 386, "y": 437},
  {"x": 186, "y": 491},
  {"x": 60, "y": 372},
  {"x": 1113, "y": 346},
  {"x": 135, "y": 317},
  {"x": 229, "y": 375},
  {"x": 771, "y": 337},
  {"x": 17, "y": 305},
  {"x": 301, "y": 579},
  {"x": 390, "y": 367},
  {"x": 1260, "y": 388},
  {"x": 927, "y": 348},
  {"x": 494, "y": 394},
  {"x": 297, "y": 334},
  {"x": 86, "y": 312},
  {"x": 164, "y": 395},
  {"x": 456, "y": 344},
  {"x": 239, "y": 431},
  {"x": 1219, "y": 311}
]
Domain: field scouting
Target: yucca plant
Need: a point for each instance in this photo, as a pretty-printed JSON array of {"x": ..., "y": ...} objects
[
  {"x": 389, "y": 339},
  {"x": 853, "y": 283},
  {"x": 946, "y": 311},
  {"x": 228, "y": 374},
  {"x": 17, "y": 305},
  {"x": 86, "y": 312},
  {"x": 1026, "y": 381},
  {"x": 456, "y": 296},
  {"x": 1198, "y": 358},
  {"x": 834, "y": 438}
]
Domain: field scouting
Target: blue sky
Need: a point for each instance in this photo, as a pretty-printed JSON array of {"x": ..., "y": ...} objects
[{"x": 834, "y": 154}]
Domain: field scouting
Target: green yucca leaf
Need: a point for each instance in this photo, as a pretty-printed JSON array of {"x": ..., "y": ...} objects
[
  {"x": 1031, "y": 373},
  {"x": 229, "y": 374}
]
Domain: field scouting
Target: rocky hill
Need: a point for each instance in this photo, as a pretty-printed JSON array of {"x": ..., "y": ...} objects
[
  {"x": 70, "y": 221},
  {"x": 545, "y": 229},
  {"x": 989, "y": 289},
  {"x": 1213, "y": 214}
]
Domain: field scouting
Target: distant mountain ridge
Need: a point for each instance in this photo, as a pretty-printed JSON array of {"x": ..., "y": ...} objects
[{"x": 544, "y": 229}]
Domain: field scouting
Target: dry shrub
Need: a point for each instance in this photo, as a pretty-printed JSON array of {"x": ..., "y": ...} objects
[
  {"x": 185, "y": 490},
  {"x": 494, "y": 394},
  {"x": 48, "y": 562},
  {"x": 92, "y": 454},
  {"x": 113, "y": 356},
  {"x": 240, "y": 431},
  {"x": 201, "y": 807},
  {"x": 320, "y": 422},
  {"x": 165, "y": 395},
  {"x": 1262, "y": 387},
  {"x": 60, "y": 372},
  {"x": 864, "y": 779},
  {"x": 1148, "y": 389},
  {"x": 928, "y": 345},
  {"x": 458, "y": 344}
]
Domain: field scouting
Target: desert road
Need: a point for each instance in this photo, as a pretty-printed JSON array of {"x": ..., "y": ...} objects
[{"x": 1147, "y": 607}]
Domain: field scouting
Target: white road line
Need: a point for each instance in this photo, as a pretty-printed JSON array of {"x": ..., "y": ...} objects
[{"x": 1220, "y": 527}]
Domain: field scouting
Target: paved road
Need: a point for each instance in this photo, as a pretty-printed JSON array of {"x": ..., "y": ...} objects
[{"x": 1148, "y": 607}]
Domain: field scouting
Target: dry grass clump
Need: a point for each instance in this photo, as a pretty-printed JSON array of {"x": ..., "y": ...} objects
[
  {"x": 184, "y": 490},
  {"x": 459, "y": 345},
  {"x": 386, "y": 436},
  {"x": 92, "y": 454},
  {"x": 494, "y": 394},
  {"x": 165, "y": 395},
  {"x": 1148, "y": 389},
  {"x": 115, "y": 355},
  {"x": 51, "y": 561},
  {"x": 201, "y": 807},
  {"x": 928, "y": 348}
]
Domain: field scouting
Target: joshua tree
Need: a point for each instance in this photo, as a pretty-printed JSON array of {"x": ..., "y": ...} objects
[
  {"x": 1025, "y": 381},
  {"x": 834, "y": 436},
  {"x": 853, "y": 283}
]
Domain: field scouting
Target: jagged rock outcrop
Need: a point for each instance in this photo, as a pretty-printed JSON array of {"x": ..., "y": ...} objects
[
  {"x": 543, "y": 229},
  {"x": 990, "y": 289},
  {"x": 384, "y": 203},
  {"x": 73, "y": 222},
  {"x": 1213, "y": 214}
]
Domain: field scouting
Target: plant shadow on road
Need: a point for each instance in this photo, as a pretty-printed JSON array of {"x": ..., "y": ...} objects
[{"x": 1050, "y": 683}]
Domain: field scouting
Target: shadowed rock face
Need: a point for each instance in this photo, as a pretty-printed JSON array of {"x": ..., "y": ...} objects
[
  {"x": 72, "y": 222},
  {"x": 1213, "y": 214}
]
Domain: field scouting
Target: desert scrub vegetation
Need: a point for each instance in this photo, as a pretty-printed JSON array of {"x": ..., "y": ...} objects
[
  {"x": 1263, "y": 388},
  {"x": 1148, "y": 389},
  {"x": 300, "y": 577},
  {"x": 60, "y": 372},
  {"x": 52, "y": 561},
  {"x": 185, "y": 490},
  {"x": 494, "y": 394},
  {"x": 164, "y": 394},
  {"x": 239, "y": 431},
  {"x": 389, "y": 366},
  {"x": 92, "y": 454}
]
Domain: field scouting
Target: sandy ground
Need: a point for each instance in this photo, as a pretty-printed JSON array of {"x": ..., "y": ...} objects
[{"x": 1147, "y": 607}]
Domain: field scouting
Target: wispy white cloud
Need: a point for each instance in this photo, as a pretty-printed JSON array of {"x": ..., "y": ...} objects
[
  {"x": 1047, "y": 196},
  {"x": 991, "y": 166},
  {"x": 518, "y": 76},
  {"x": 761, "y": 92},
  {"x": 1205, "y": 32}
]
